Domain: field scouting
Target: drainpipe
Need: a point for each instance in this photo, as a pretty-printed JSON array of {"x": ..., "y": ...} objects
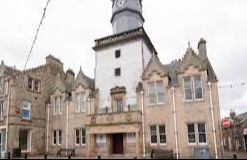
[
  {"x": 47, "y": 130},
  {"x": 143, "y": 125},
  {"x": 175, "y": 121},
  {"x": 7, "y": 121},
  {"x": 213, "y": 122},
  {"x": 67, "y": 125}
]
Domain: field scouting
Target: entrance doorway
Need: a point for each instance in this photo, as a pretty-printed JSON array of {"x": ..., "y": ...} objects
[
  {"x": 245, "y": 140},
  {"x": 117, "y": 144}
]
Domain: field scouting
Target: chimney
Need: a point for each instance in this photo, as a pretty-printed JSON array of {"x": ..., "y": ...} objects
[
  {"x": 202, "y": 49},
  {"x": 70, "y": 76}
]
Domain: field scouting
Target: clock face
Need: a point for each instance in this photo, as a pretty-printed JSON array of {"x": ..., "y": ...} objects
[{"x": 120, "y": 2}]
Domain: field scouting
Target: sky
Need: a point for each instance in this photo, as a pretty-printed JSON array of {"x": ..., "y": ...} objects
[{"x": 71, "y": 26}]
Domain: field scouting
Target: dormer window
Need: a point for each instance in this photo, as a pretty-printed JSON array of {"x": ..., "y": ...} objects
[
  {"x": 117, "y": 54},
  {"x": 34, "y": 84},
  {"x": 57, "y": 109},
  {"x": 81, "y": 103},
  {"x": 156, "y": 93},
  {"x": 193, "y": 88}
]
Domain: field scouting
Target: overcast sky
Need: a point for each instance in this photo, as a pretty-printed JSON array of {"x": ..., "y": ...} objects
[{"x": 70, "y": 27}]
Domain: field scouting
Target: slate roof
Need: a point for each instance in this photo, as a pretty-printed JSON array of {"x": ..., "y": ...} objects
[{"x": 173, "y": 69}]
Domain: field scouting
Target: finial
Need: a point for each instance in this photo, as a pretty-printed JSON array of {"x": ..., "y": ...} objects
[
  {"x": 2, "y": 63},
  {"x": 189, "y": 45},
  {"x": 80, "y": 68}
]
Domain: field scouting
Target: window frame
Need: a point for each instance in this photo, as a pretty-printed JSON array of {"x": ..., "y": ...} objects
[
  {"x": 77, "y": 137},
  {"x": 194, "y": 88},
  {"x": 57, "y": 138},
  {"x": 164, "y": 134},
  {"x": 191, "y": 89},
  {"x": 156, "y": 135},
  {"x": 101, "y": 142},
  {"x": 54, "y": 137},
  {"x": 117, "y": 72},
  {"x": 205, "y": 133},
  {"x": 2, "y": 107},
  {"x": 83, "y": 136},
  {"x": 57, "y": 106},
  {"x": 156, "y": 92},
  {"x": 192, "y": 133},
  {"x": 131, "y": 138},
  {"x": 118, "y": 54},
  {"x": 81, "y": 103},
  {"x": 2, "y": 90},
  {"x": 26, "y": 108}
]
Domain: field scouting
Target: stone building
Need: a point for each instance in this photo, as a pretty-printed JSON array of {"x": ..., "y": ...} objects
[
  {"x": 235, "y": 137},
  {"x": 133, "y": 105}
]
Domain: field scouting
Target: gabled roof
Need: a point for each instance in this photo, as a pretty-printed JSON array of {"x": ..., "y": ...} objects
[
  {"x": 172, "y": 70},
  {"x": 82, "y": 79},
  {"x": 154, "y": 65}
]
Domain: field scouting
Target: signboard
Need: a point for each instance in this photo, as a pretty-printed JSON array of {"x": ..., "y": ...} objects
[
  {"x": 245, "y": 132},
  {"x": 226, "y": 123}
]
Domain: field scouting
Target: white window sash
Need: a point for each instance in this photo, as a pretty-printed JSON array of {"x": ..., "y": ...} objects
[
  {"x": 191, "y": 133},
  {"x": 158, "y": 92},
  {"x": 82, "y": 137},
  {"x": 162, "y": 134},
  {"x": 195, "y": 88},
  {"x": 77, "y": 144},
  {"x": 188, "y": 88},
  {"x": 151, "y": 135},
  {"x": 204, "y": 133},
  {"x": 131, "y": 138}
]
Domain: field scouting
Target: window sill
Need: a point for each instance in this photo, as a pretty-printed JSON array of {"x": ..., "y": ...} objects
[
  {"x": 154, "y": 144},
  {"x": 192, "y": 144},
  {"x": 163, "y": 144},
  {"x": 203, "y": 144},
  {"x": 26, "y": 151}
]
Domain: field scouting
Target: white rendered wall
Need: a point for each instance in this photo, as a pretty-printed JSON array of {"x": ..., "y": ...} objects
[{"x": 130, "y": 63}]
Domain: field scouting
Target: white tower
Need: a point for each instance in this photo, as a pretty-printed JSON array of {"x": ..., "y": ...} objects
[
  {"x": 121, "y": 58},
  {"x": 127, "y": 15}
]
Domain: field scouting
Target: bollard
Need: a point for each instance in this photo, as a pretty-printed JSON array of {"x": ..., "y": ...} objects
[
  {"x": 69, "y": 157},
  {"x": 235, "y": 156},
  {"x": 45, "y": 156},
  {"x": 152, "y": 154},
  {"x": 99, "y": 157},
  {"x": 8, "y": 155},
  {"x": 25, "y": 155}
]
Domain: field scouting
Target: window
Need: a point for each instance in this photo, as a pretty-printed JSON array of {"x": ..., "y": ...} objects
[
  {"x": 118, "y": 72},
  {"x": 83, "y": 136},
  {"x": 198, "y": 87},
  {"x": 34, "y": 84},
  {"x": 25, "y": 139},
  {"x": 37, "y": 85},
  {"x": 57, "y": 105},
  {"x": 151, "y": 93},
  {"x": 187, "y": 88},
  {"x": 30, "y": 83},
  {"x": 153, "y": 135},
  {"x": 119, "y": 105},
  {"x": 117, "y": 53},
  {"x": 160, "y": 92},
  {"x": 1, "y": 110},
  {"x": 77, "y": 137},
  {"x": 80, "y": 137},
  {"x": 1, "y": 85},
  {"x": 131, "y": 138},
  {"x": 202, "y": 133},
  {"x": 101, "y": 139},
  {"x": 193, "y": 88},
  {"x": 162, "y": 132},
  {"x": 156, "y": 93},
  {"x": 81, "y": 103},
  {"x": 191, "y": 133},
  {"x": 26, "y": 107},
  {"x": 57, "y": 137}
]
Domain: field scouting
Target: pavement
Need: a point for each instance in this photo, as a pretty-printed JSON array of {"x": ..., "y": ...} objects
[{"x": 240, "y": 155}]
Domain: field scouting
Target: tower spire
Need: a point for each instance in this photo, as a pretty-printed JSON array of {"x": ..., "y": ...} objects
[{"x": 126, "y": 15}]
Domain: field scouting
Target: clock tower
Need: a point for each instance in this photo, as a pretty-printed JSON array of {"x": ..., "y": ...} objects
[{"x": 126, "y": 15}]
